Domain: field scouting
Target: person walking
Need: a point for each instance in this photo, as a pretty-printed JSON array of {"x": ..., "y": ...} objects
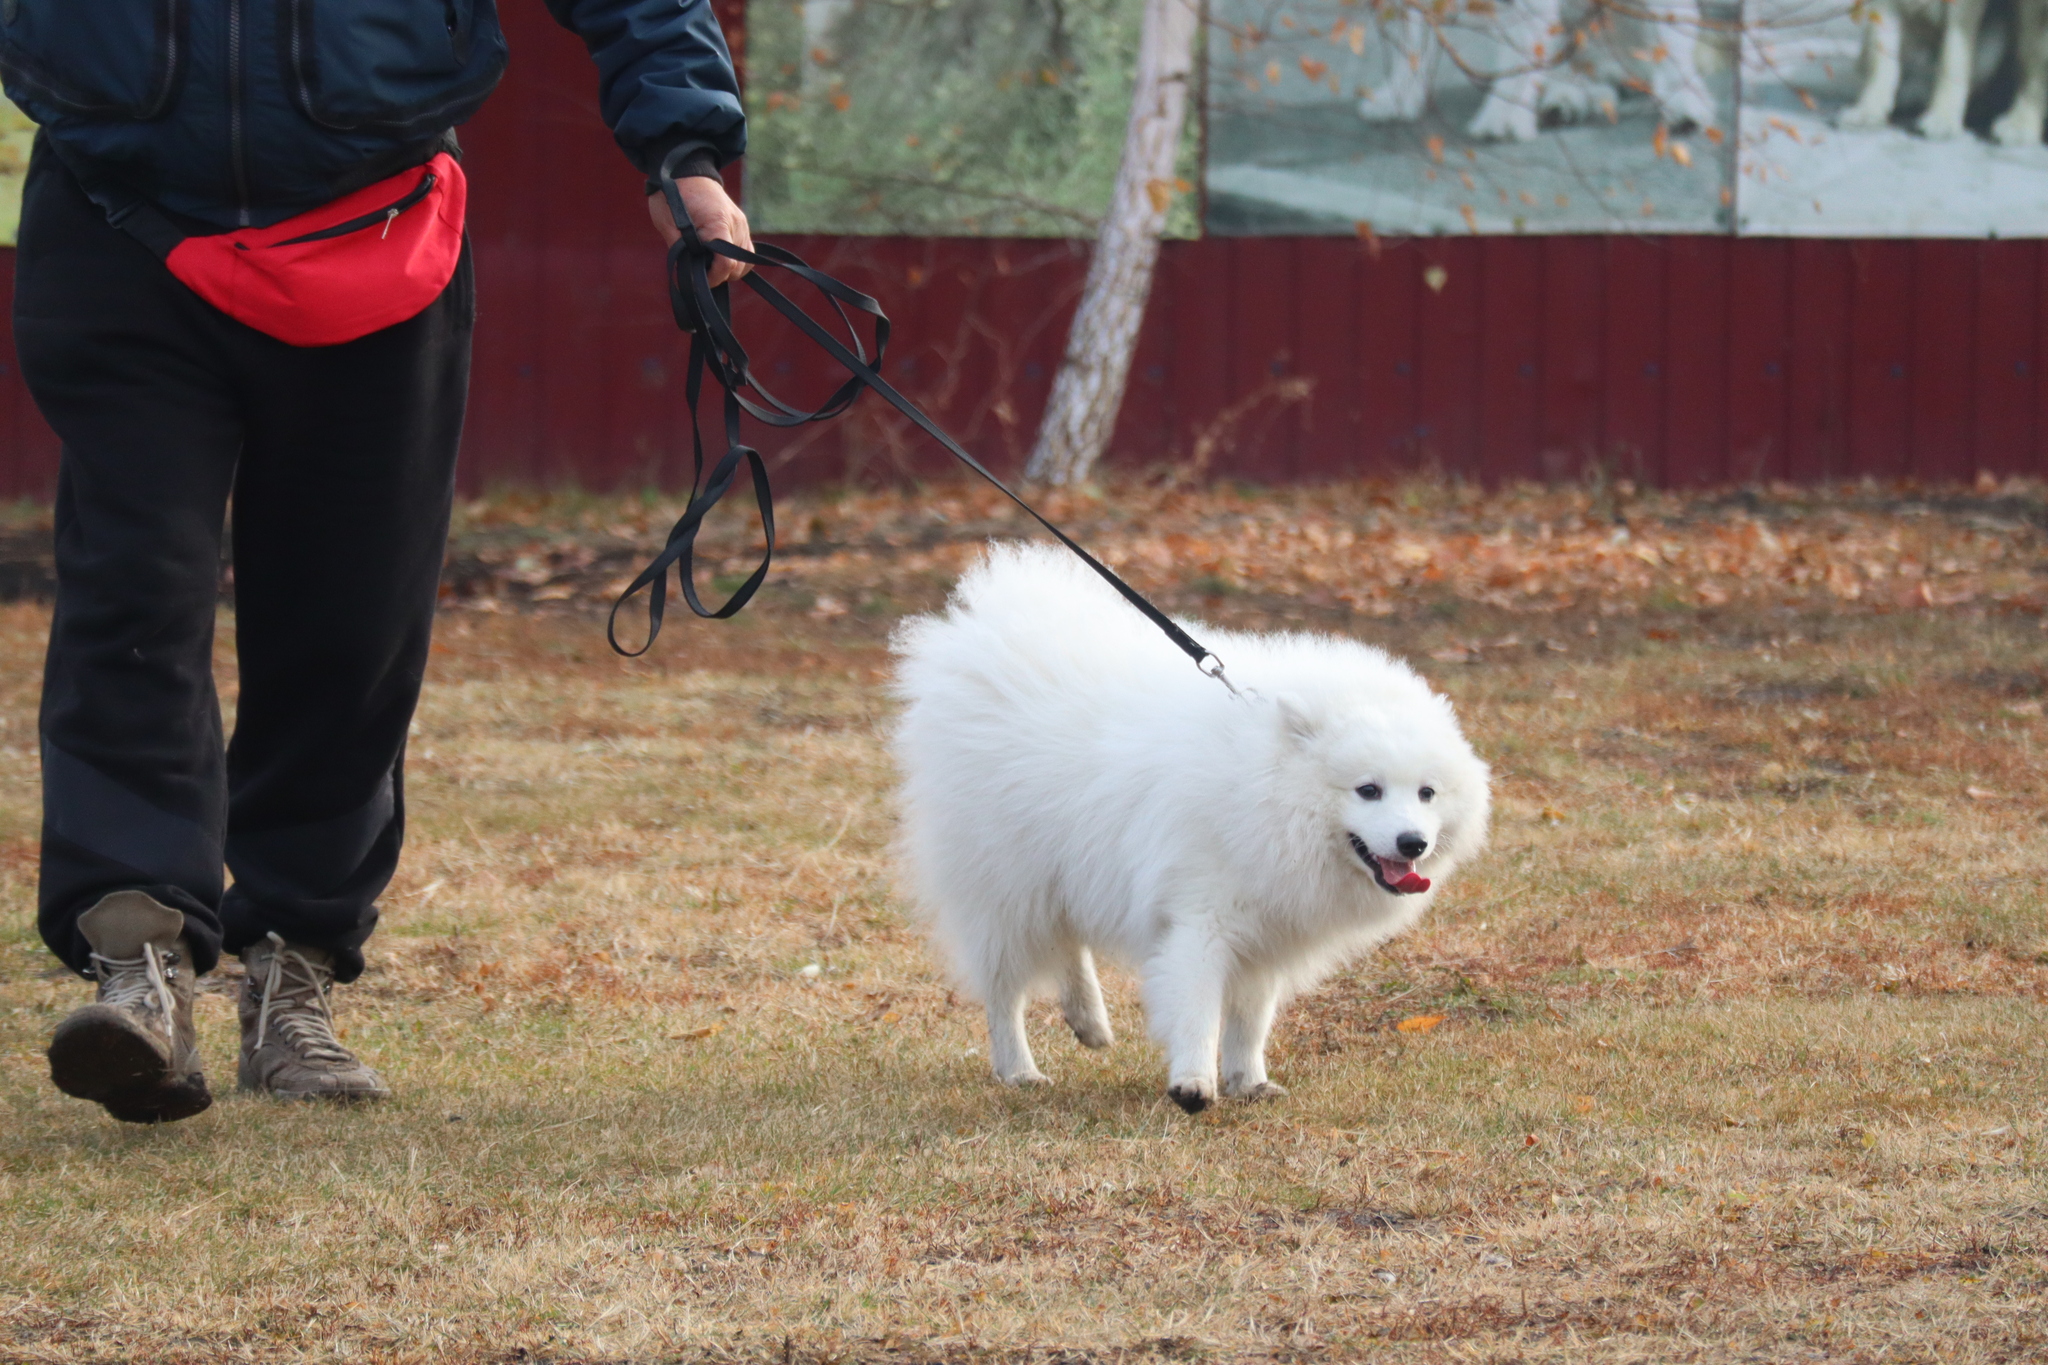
[{"x": 243, "y": 280}]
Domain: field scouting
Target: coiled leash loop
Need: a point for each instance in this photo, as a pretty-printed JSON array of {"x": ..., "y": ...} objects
[{"x": 706, "y": 314}]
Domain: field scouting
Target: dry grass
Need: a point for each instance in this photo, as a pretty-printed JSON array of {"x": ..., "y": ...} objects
[
  {"x": 1742, "y": 1057},
  {"x": 1355, "y": 550}
]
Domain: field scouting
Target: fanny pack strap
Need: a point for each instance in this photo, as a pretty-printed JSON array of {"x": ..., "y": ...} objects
[
  {"x": 144, "y": 222},
  {"x": 706, "y": 314},
  {"x": 125, "y": 209}
]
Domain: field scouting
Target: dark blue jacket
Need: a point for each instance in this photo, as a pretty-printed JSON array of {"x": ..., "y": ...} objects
[{"x": 243, "y": 112}]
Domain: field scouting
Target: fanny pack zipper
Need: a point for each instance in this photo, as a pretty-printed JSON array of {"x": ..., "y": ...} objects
[{"x": 386, "y": 215}]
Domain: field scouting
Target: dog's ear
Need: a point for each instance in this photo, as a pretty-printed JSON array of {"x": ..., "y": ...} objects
[{"x": 1294, "y": 716}]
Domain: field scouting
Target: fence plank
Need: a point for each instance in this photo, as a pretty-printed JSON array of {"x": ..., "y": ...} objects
[
  {"x": 1326, "y": 323},
  {"x": 1880, "y": 351},
  {"x": 1696, "y": 284},
  {"x": 1943, "y": 359},
  {"x": 2003, "y": 379},
  {"x": 1573, "y": 365},
  {"x": 1390, "y": 291},
  {"x": 1201, "y": 373},
  {"x": 1758, "y": 353},
  {"x": 1265, "y": 300},
  {"x": 1448, "y": 391},
  {"x": 1632, "y": 422},
  {"x": 1511, "y": 357},
  {"x": 1817, "y": 369}
]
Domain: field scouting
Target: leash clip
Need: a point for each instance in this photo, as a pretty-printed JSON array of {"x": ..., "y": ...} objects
[{"x": 1211, "y": 666}]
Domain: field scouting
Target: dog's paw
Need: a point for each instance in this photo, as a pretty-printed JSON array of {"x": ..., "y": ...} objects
[
  {"x": 1238, "y": 1085},
  {"x": 1193, "y": 1096},
  {"x": 1503, "y": 120},
  {"x": 1856, "y": 118},
  {"x": 1942, "y": 127},
  {"x": 2021, "y": 127},
  {"x": 1685, "y": 106},
  {"x": 1393, "y": 103},
  {"x": 1026, "y": 1079},
  {"x": 1570, "y": 97},
  {"x": 1094, "y": 1033}
]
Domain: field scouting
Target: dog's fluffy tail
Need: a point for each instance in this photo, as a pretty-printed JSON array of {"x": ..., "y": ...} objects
[{"x": 1021, "y": 615}]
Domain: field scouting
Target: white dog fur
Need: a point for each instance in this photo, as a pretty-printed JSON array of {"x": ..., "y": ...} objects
[{"x": 1071, "y": 784}]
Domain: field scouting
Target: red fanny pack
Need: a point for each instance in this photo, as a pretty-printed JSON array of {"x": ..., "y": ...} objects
[{"x": 367, "y": 261}]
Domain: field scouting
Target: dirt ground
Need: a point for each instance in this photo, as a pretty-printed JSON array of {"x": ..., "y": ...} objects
[{"x": 1730, "y": 1048}]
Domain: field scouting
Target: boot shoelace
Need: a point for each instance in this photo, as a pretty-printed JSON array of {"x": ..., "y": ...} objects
[
  {"x": 307, "y": 1019},
  {"x": 129, "y": 981}
]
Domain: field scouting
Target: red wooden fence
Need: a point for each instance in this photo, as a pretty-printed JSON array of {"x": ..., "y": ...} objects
[{"x": 1671, "y": 359}]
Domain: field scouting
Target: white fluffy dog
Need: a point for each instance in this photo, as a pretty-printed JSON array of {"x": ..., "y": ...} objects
[{"x": 1071, "y": 784}]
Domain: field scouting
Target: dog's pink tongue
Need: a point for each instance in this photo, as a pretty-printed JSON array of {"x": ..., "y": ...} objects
[{"x": 1402, "y": 876}]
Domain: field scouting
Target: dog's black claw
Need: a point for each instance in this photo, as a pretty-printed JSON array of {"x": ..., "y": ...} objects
[{"x": 1188, "y": 1098}]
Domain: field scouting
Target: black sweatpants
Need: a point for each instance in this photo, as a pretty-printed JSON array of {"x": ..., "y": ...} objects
[{"x": 340, "y": 462}]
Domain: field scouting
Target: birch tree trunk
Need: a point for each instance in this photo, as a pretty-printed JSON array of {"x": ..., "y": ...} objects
[{"x": 1090, "y": 385}]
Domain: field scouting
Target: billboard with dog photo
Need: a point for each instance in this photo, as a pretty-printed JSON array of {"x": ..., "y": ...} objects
[
  {"x": 1894, "y": 118},
  {"x": 941, "y": 117},
  {"x": 1426, "y": 116},
  {"x": 1832, "y": 118}
]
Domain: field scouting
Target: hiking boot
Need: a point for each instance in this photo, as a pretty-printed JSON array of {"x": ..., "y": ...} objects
[
  {"x": 288, "y": 1043},
  {"x": 133, "y": 1049}
]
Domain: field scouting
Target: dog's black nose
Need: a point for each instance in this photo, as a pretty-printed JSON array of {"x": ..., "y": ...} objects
[{"x": 1412, "y": 846}]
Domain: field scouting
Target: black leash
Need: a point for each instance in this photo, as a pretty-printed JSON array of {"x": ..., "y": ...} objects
[{"x": 706, "y": 314}]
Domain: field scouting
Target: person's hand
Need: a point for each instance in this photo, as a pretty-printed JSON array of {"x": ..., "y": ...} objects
[{"x": 716, "y": 217}]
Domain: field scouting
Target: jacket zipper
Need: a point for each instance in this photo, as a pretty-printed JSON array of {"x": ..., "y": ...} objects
[
  {"x": 170, "y": 57},
  {"x": 386, "y": 215},
  {"x": 299, "y": 64},
  {"x": 235, "y": 136}
]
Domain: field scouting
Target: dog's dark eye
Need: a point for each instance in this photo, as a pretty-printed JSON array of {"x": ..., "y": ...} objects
[
  {"x": 1370, "y": 791},
  {"x": 1426, "y": 793}
]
